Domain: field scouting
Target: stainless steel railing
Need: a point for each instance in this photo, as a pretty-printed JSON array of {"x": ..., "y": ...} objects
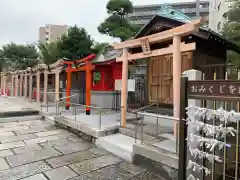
[
  {"x": 158, "y": 116},
  {"x": 137, "y": 119},
  {"x": 54, "y": 101},
  {"x": 74, "y": 106}
]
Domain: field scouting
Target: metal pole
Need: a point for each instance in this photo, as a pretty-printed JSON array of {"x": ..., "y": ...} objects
[
  {"x": 100, "y": 119},
  {"x": 142, "y": 130},
  {"x": 75, "y": 112},
  {"x": 136, "y": 129},
  {"x": 182, "y": 164}
]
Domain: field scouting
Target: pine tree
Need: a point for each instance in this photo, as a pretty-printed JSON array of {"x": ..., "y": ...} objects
[{"x": 231, "y": 30}]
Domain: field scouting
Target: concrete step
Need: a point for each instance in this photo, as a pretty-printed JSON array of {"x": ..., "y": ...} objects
[
  {"x": 25, "y": 112},
  {"x": 118, "y": 144},
  {"x": 137, "y": 135}
]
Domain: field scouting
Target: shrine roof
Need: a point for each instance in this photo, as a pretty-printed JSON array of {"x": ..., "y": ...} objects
[
  {"x": 108, "y": 54},
  {"x": 169, "y": 12},
  {"x": 177, "y": 18}
]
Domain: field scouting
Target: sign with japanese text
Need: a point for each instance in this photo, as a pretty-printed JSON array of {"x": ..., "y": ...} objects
[{"x": 214, "y": 89}]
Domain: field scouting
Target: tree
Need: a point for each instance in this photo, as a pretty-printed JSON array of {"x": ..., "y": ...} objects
[
  {"x": 49, "y": 52},
  {"x": 231, "y": 30},
  {"x": 117, "y": 24},
  {"x": 76, "y": 44},
  {"x": 19, "y": 56},
  {"x": 1, "y": 61}
]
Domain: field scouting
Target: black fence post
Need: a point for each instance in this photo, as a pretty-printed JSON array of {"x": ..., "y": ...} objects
[{"x": 182, "y": 159}]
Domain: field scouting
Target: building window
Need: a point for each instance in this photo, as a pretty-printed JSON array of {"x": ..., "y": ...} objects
[
  {"x": 219, "y": 26},
  {"x": 96, "y": 77}
]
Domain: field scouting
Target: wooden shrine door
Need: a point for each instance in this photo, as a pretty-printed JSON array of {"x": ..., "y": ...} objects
[{"x": 160, "y": 74}]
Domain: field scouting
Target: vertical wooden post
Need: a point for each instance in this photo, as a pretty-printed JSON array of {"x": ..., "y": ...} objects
[
  {"x": 182, "y": 160},
  {"x": 177, "y": 71},
  {"x": 30, "y": 85},
  {"x": 21, "y": 84},
  {"x": 38, "y": 86},
  {"x": 4, "y": 84},
  {"x": 45, "y": 86},
  {"x": 88, "y": 87},
  {"x": 25, "y": 84},
  {"x": 68, "y": 88},
  {"x": 1, "y": 82},
  {"x": 124, "y": 92},
  {"x": 12, "y": 89},
  {"x": 57, "y": 85},
  {"x": 16, "y": 84}
]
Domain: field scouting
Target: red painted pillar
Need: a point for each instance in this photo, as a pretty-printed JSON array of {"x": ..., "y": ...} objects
[
  {"x": 68, "y": 87},
  {"x": 88, "y": 87}
]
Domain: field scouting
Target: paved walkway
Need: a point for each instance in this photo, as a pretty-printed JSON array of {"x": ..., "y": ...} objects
[{"x": 36, "y": 150}]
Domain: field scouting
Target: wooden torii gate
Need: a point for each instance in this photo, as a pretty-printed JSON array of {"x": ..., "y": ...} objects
[
  {"x": 80, "y": 65},
  {"x": 176, "y": 48}
]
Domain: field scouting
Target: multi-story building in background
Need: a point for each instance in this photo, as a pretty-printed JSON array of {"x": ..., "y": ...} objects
[
  {"x": 144, "y": 13},
  {"x": 217, "y": 14},
  {"x": 51, "y": 33}
]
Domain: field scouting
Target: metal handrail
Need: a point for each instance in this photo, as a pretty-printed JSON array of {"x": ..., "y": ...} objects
[
  {"x": 65, "y": 97},
  {"x": 144, "y": 107},
  {"x": 83, "y": 105},
  {"x": 136, "y": 112},
  {"x": 157, "y": 124}
]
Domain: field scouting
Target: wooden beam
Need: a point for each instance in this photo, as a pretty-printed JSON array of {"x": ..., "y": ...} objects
[
  {"x": 159, "y": 52},
  {"x": 162, "y": 36}
]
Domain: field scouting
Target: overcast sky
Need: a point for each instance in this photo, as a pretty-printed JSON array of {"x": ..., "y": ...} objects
[{"x": 20, "y": 19}]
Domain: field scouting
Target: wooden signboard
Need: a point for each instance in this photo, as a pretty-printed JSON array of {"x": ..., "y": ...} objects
[{"x": 214, "y": 90}]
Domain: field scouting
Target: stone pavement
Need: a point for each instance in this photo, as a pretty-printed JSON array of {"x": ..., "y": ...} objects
[{"x": 37, "y": 150}]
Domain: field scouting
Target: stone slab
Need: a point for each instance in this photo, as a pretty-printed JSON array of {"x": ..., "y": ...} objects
[
  {"x": 17, "y": 138},
  {"x": 131, "y": 168},
  {"x": 31, "y": 122},
  {"x": 28, "y": 157},
  {"x": 70, "y": 158},
  {"x": 106, "y": 173},
  {"x": 34, "y": 141},
  {"x": 147, "y": 175},
  {"x": 98, "y": 151},
  {"x": 50, "y": 133},
  {"x": 6, "y": 134},
  {"x": 42, "y": 140},
  {"x": 74, "y": 138},
  {"x": 35, "y": 177},
  {"x": 27, "y": 149},
  {"x": 24, "y": 171},
  {"x": 5, "y": 153},
  {"x": 74, "y": 147},
  {"x": 11, "y": 145},
  {"x": 2, "y": 130},
  {"x": 60, "y": 142},
  {"x": 62, "y": 173},
  {"x": 29, "y": 131},
  {"x": 3, "y": 164},
  {"x": 52, "y": 138},
  {"x": 94, "y": 164}
]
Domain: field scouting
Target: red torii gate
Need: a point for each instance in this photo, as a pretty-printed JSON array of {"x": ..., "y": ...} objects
[{"x": 86, "y": 65}]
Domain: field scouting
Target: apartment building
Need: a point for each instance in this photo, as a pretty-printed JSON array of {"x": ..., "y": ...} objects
[
  {"x": 51, "y": 32},
  {"x": 217, "y": 14},
  {"x": 143, "y": 13}
]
